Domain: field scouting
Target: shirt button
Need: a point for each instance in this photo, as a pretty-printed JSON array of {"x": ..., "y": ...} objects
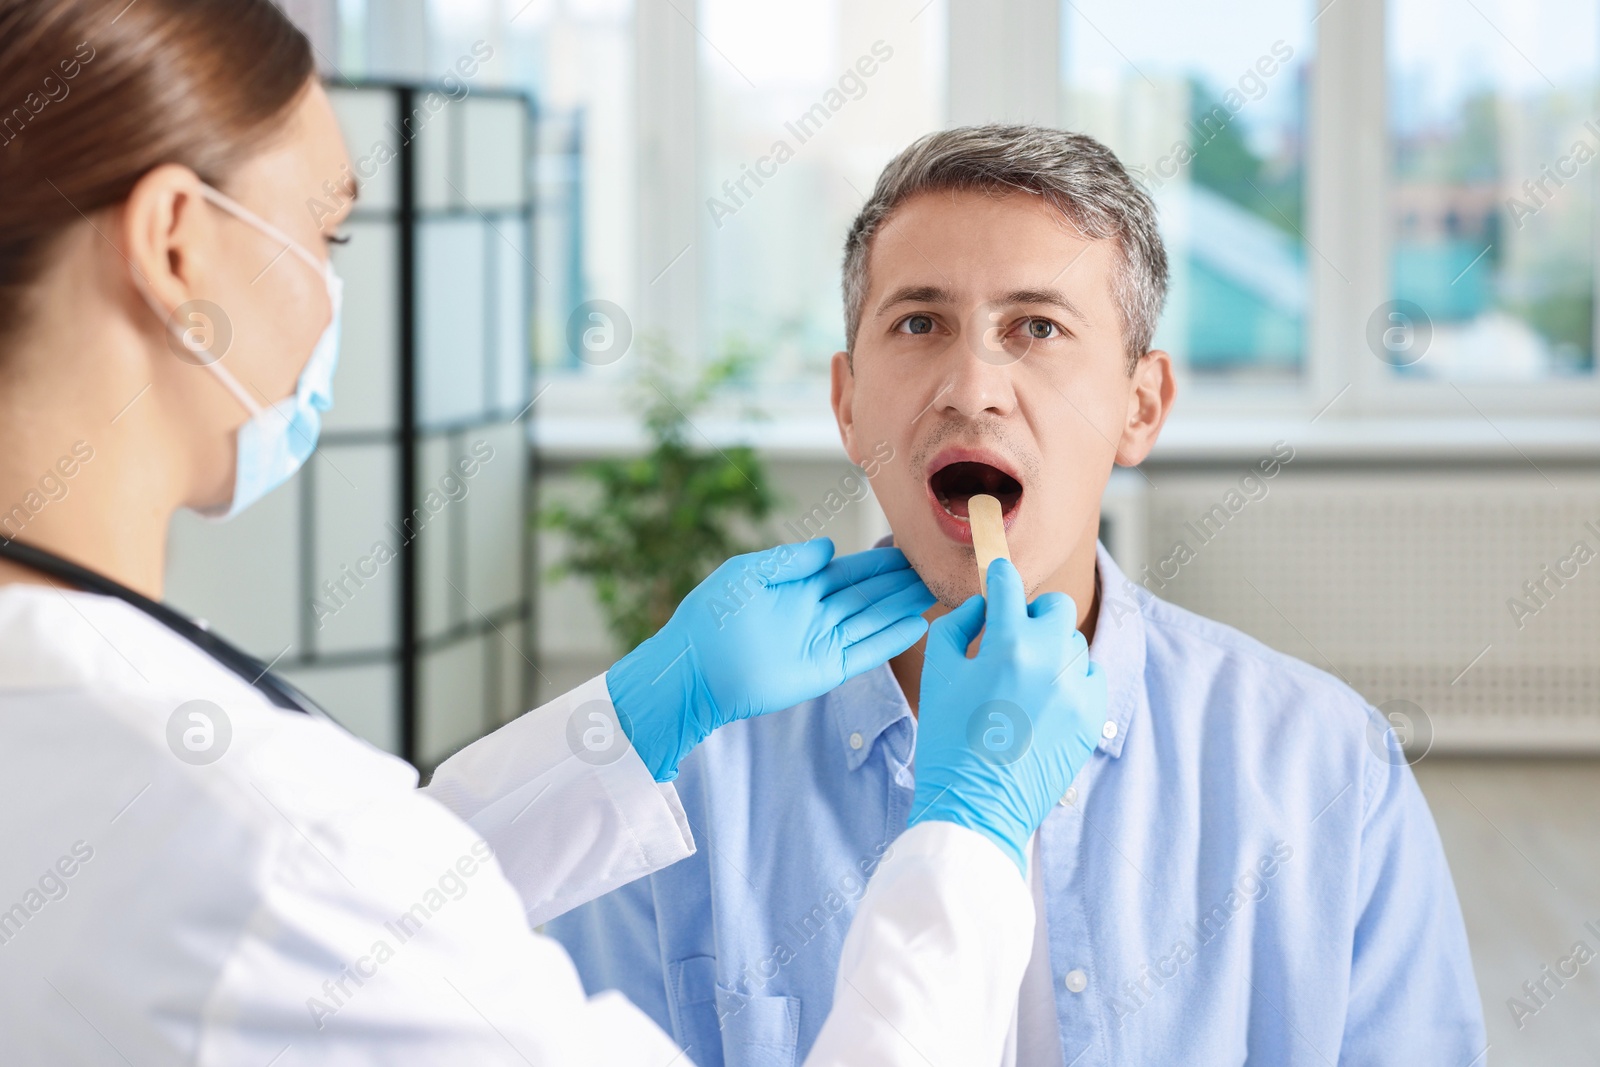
[
  {"x": 856, "y": 740},
  {"x": 1109, "y": 730},
  {"x": 1070, "y": 797},
  {"x": 1076, "y": 981}
]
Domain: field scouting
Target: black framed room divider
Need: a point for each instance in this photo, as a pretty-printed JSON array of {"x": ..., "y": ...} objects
[{"x": 393, "y": 579}]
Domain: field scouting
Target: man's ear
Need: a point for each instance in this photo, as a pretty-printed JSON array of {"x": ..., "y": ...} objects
[
  {"x": 1149, "y": 403},
  {"x": 843, "y": 395}
]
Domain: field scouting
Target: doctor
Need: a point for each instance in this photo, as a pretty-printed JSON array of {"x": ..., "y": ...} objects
[{"x": 196, "y": 866}]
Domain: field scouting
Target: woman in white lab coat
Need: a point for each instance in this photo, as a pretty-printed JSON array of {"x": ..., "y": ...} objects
[{"x": 195, "y": 865}]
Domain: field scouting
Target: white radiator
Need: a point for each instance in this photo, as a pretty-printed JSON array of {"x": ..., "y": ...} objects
[{"x": 1465, "y": 606}]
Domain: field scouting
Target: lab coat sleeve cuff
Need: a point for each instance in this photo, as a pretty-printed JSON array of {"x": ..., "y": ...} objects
[
  {"x": 934, "y": 958},
  {"x": 569, "y": 808}
]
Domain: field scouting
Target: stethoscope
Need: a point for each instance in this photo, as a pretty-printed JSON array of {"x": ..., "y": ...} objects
[{"x": 240, "y": 662}]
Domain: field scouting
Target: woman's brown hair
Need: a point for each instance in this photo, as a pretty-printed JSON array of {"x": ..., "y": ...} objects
[{"x": 96, "y": 93}]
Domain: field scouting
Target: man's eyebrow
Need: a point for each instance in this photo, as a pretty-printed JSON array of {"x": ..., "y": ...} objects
[
  {"x": 1052, "y": 297},
  {"x": 935, "y": 294},
  {"x": 916, "y": 294},
  {"x": 351, "y": 189}
]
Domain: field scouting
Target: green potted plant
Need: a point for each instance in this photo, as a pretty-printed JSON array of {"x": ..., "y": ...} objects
[{"x": 664, "y": 519}]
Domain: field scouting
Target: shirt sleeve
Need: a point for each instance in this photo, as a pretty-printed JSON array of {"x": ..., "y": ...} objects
[
  {"x": 934, "y": 959},
  {"x": 568, "y": 806},
  {"x": 1413, "y": 997},
  {"x": 389, "y": 936}
]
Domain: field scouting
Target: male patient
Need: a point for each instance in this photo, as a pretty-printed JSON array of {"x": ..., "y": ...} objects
[{"x": 1245, "y": 869}]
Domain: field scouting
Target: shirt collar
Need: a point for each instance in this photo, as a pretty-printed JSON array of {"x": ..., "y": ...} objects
[{"x": 867, "y": 705}]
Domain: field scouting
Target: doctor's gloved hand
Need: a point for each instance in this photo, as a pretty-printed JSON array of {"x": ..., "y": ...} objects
[
  {"x": 1001, "y": 736},
  {"x": 764, "y": 632}
]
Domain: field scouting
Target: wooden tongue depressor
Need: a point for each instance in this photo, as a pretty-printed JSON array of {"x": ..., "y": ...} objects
[{"x": 988, "y": 535}]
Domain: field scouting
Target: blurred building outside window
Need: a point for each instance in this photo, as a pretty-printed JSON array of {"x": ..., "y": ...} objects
[{"x": 1493, "y": 133}]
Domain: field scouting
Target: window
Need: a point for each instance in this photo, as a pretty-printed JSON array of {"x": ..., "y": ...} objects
[
  {"x": 801, "y": 107},
  {"x": 576, "y": 59},
  {"x": 1493, "y": 140},
  {"x": 1207, "y": 107},
  {"x": 1330, "y": 174}
]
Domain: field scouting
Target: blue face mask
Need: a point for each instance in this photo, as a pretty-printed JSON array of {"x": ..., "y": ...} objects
[{"x": 275, "y": 441}]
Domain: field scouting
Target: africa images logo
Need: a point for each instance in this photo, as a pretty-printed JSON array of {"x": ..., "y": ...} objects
[{"x": 199, "y": 732}]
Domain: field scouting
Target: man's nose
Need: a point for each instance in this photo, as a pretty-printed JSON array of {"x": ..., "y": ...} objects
[{"x": 981, "y": 371}]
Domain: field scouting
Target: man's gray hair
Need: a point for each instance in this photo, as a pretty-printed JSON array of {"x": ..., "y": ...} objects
[{"x": 1077, "y": 174}]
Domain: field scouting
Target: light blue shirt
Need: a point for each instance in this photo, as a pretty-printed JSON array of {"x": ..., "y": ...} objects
[{"x": 1245, "y": 870}]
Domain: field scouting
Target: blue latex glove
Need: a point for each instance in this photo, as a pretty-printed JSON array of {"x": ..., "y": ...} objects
[
  {"x": 764, "y": 632},
  {"x": 1001, "y": 736}
]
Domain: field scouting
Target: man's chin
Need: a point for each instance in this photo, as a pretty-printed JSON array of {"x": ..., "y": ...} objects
[
  {"x": 952, "y": 593},
  {"x": 950, "y": 578}
]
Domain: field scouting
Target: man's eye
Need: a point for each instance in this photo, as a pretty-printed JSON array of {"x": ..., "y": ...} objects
[
  {"x": 1042, "y": 329},
  {"x": 337, "y": 238},
  {"x": 916, "y": 324}
]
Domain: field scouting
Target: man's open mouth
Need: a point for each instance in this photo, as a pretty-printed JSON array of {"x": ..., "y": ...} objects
[{"x": 957, "y": 481}]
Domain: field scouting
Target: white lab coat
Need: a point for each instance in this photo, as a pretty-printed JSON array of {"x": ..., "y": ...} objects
[{"x": 300, "y": 901}]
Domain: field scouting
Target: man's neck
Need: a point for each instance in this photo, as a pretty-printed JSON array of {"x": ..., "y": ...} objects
[{"x": 1082, "y": 584}]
